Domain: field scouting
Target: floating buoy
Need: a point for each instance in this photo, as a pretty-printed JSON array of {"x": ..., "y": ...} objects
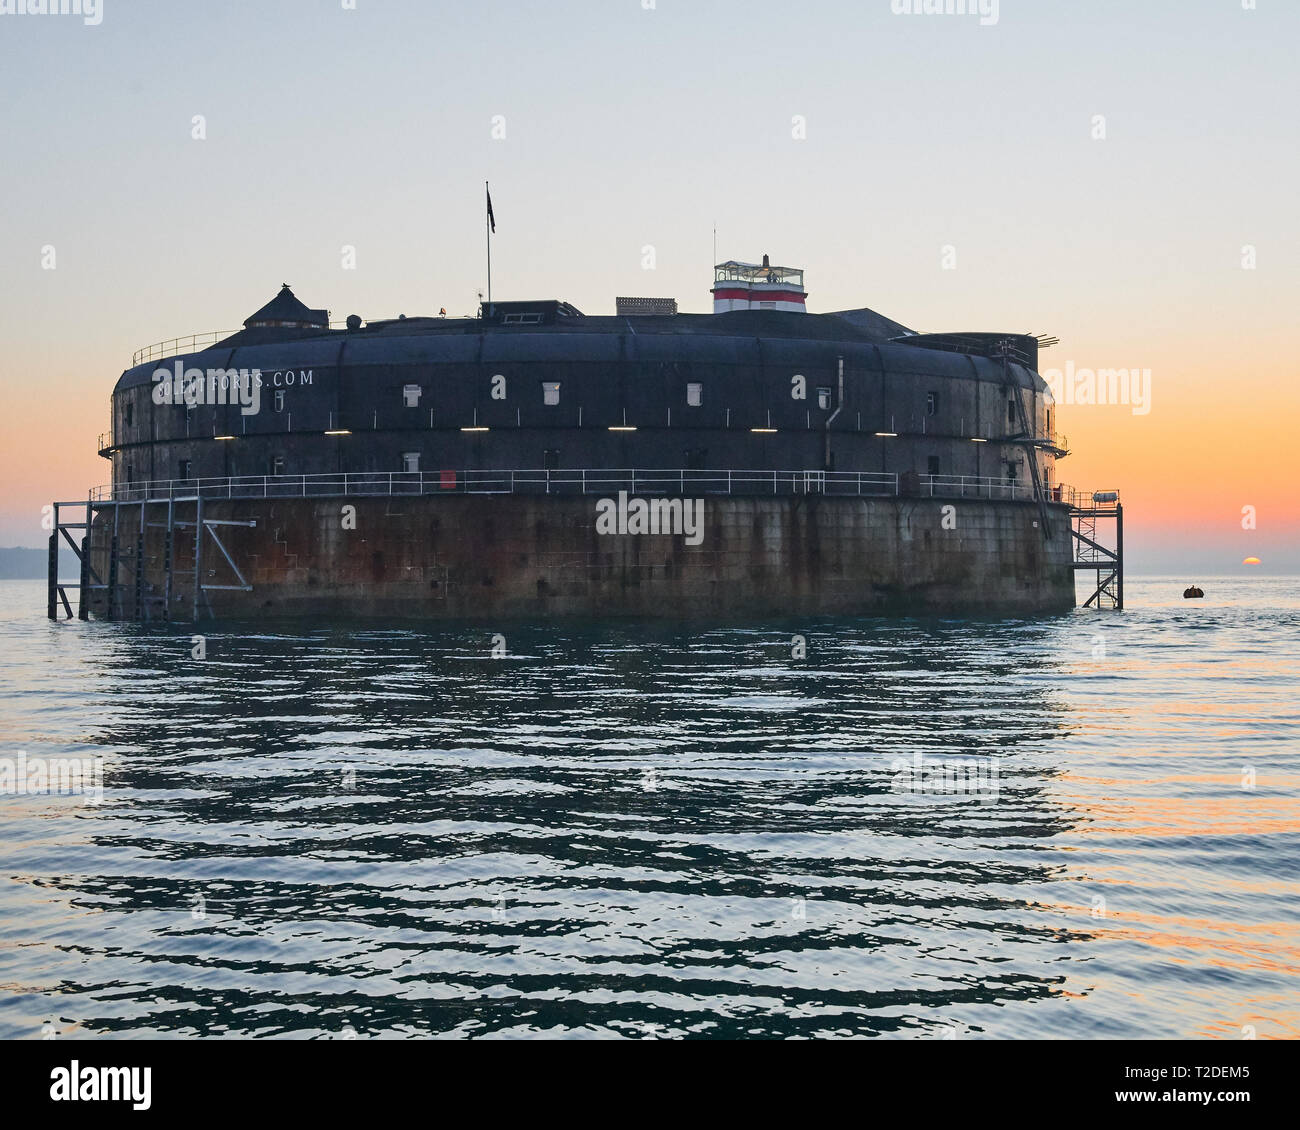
[{"x": 1192, "y": 593}]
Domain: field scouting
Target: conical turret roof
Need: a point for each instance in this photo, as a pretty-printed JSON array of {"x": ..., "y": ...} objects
[{"x": 285, "y": 309}]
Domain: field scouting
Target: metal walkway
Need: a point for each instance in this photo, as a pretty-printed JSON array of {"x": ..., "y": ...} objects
[{"x": 604, "y": 481}]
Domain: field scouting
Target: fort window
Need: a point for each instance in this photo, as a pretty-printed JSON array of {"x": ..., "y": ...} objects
[
  {"x": 279, "y": 400},
  {"x": 551, "y": 458},
  {"x": 410, "y": 460},
  {"x": 694, "y": 394},
  {"x": 931, "y": 403},
  {"x": 823, "y": 398},
  {"x": 411, "y": 395},
  {"x": 550, "y": 392}
]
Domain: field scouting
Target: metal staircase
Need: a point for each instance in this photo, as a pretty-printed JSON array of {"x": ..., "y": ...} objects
[{"x": 1090, "y": 554}]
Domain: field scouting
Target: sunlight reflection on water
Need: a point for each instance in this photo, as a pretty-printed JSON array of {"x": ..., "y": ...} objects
[{"x": 639, "y": 829}]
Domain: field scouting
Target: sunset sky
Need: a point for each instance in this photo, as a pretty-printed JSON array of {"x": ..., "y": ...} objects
[{"x": 1131, "y": 238}]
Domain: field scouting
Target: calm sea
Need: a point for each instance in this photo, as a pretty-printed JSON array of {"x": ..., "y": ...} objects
[{"x": 1084, "y": 826}]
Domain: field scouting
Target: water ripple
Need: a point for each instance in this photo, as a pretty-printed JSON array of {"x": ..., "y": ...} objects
[{"x": 639, "y": 830}]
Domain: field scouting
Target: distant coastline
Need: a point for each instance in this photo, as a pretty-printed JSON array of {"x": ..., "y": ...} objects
[{"x": 20, "y": 564}]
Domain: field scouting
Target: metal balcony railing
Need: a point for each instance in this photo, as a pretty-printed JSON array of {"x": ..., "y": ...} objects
[
  {"x": 1087, "y": 499},
  {"x": 580, "y": 481}
]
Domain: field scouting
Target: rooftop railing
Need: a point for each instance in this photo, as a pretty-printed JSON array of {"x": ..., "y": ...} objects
[
  {"x": 573, "y": 482},
  {"x": 172, "y": 346},
  {"x": 192, "y": 343}
]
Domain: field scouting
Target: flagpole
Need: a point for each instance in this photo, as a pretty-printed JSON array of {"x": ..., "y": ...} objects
[{"x": 487, "y": 224}]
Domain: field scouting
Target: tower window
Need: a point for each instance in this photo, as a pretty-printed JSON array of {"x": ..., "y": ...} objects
[
  {"x": 1011, "y": 411},
  {"x": 411, "y": 396},
  {"x": 183, "y": 469},
  {"x": 410, "y": 460},
  {"x": 550, "y": 392},
  {"x": 932, "y": 465},
  {"x": 696, "y": 458},
  {"x": 931, "y": 403},
  {"x": 277, "y": 465},
  {"x": 279, "y": 400},
  {"x": 823, "y": 398},
  {"x": 130, "y": 413},
  {"x": 551, "y": 458},
  {"x": 694, "y": 394}
]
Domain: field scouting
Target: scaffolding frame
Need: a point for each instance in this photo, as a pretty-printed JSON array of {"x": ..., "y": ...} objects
[{"x": 147, "y": 599}]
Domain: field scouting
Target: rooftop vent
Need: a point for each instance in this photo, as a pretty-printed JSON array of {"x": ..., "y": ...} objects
[
  {"x": 644, "y": 307},
  {"x": 543, "y": 312}
]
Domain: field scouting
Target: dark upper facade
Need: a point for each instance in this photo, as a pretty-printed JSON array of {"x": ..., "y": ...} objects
[{"x": 536, "y": 385}]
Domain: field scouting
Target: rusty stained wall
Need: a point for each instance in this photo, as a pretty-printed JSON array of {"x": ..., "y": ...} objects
[{"x": 529, "y": 556}]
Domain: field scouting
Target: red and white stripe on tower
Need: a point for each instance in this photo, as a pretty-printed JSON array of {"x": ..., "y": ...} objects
[{"x": 757, "y": 286}]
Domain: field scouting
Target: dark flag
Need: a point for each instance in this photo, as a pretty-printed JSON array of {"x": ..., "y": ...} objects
[{"x": 492, "y": 220}]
